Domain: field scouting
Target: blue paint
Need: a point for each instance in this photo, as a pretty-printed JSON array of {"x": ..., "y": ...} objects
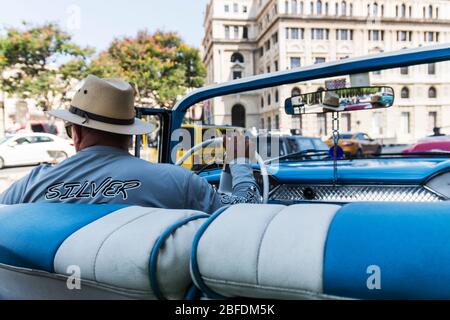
[
  {"x": 30, "y": 234},
  {"x": 408, "y": 242},
  {"x": 155, "y": 251},
  {"x": 392, "y": 171}
]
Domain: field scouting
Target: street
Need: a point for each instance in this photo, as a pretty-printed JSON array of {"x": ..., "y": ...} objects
[{"x": 9, "y": 175}]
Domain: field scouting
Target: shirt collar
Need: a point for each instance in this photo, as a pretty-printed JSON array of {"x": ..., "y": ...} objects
[{"x": 107, "y": 149}]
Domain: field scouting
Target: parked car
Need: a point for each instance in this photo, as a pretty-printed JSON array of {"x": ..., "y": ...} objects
[
  {"x": 357, "y": 144},
  {"x": 436, "y": 145},
  {"x": 33, "y": 148},
  {"x": 289, "y": 145},
  {"x": 197, "y": 134},
  {"x": 44, "y": 127}
]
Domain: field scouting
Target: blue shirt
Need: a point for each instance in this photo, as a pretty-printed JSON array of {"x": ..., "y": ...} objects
[{"x": 101, "y": 174}]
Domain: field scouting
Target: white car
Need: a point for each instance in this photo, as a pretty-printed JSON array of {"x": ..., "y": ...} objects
[{"x": 33, "y": 148}]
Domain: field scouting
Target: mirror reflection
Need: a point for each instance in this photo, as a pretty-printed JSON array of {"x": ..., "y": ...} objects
[{"x": 339, "y": 100}]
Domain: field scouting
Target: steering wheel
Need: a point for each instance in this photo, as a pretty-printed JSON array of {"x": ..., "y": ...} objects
[{"x": 223, "y": 178}]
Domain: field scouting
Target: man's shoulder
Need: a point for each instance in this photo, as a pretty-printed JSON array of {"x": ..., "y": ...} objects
[{"x": 140, "y": 164}]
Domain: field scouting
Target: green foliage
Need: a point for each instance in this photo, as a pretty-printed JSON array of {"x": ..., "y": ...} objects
[
  {"x": 28, "y": 63},
  {"x": 160, "y": 66}
]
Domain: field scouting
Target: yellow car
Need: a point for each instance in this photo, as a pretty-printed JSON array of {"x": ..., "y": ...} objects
[
  {"x": 357, "y": 144},
  {"x": 207, "y": 155}
]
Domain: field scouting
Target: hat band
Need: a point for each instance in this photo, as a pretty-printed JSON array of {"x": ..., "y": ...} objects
[{"x": 96, "y": 117}]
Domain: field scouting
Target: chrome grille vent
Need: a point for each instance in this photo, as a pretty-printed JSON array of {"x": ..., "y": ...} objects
[{"x": 350, "y": 193}]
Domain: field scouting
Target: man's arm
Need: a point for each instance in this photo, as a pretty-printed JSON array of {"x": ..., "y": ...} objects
[{"x": 202, "y": 196}]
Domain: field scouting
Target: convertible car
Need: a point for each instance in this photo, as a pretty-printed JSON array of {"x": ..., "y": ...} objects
[{"x": 327, "y": 227}]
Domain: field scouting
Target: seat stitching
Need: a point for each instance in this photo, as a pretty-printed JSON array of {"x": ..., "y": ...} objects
[
  {"x": 260, "y": 244},
  {"x": 110, "y": 234}
]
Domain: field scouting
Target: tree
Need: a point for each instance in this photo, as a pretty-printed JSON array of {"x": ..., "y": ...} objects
[
  {"x": 30, "y": 63},
  {"x": 159, "y": 65}
]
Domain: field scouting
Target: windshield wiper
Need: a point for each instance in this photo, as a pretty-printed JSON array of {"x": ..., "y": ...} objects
[{"x": 300, "y": 154}]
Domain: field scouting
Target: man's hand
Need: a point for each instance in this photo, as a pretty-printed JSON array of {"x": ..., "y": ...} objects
[{"x": 238, "y": 146}]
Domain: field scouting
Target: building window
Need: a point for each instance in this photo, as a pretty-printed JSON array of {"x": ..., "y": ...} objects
[
  {"x": 275, "y": 38},
  {"x": 336, "y": 9},
  {"x": 319, "y": 60},
  {"x": 375, "y": 9},
  {"x": 275, "y": 64},
  {"x": 294, "y": 6},
  {"x": 236, "y": 32},
  {"x": 430, "y": 12},
  {"x": 320, "y": 34},
  {"x": 382, "y": 10},
  {"x": 377, "y": 123},
  {"x": 262, "y": 123},
  {"x": 262, "y": 102},
  {"x": 376, "y": 35},
  {"x": 319, "y": 7},
  {"x": 326, "y": 9},
  {"x": 237, "y": 57},
  {"x": 344, "y": 34},
  {"x": 396, "y": 11},
  {"x": 267, "y": 45},
  {"x": 403, "y": 10},
  {"x": 432, "y": 93},
  {"x": 404, "y": 93},
  {"x": 237, "y": 75},
  {"x": 295, "y": 62},
  {"x": 277, "y": 122},
  {"x": 269, "y": 99},
  {"x": 302, "y": 8},
  {"x": 277, "y": 96},
  {"x": 295, "y": 33},
  {"x": 432, "y": 120},
  {"x": 268, "y": 69},
  {"x": 346, "y": 121},
  {"x": 227, "y": 32},
  {"x": 244, "y": 9},
  {"x": 245, "y": 32},
  {"x": 322, "y": 124},
  {"x": 344, "y": 8},
  {"x": 431, "y": 68},
  {"x": 410, "y": 11},
  {"x": 404, "y": 36},
  {"x": 437, "y": 13},
  {"x": 406, "y": 122},
  {"x": 227, "y": 8},
  {"x": 235, "y": 7},
  {"x": 269, "y": 123},
  {"x": 296, "y": 92},
  {"x": 404, "y": 70},
  {"x": 286, "y": 7},
  {"x": 261, "y": 51}
]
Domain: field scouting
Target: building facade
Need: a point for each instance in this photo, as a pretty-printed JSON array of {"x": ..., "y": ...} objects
[{"x": 249, "y": 37}]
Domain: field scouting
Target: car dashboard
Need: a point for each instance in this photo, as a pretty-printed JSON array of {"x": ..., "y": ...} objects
[{"x": 380, "y": 180}]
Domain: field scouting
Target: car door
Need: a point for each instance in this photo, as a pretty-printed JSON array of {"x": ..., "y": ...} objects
[
  {"x": 44, "y": 144},
  {"x": 372, "y": 145},
  {"x": 20, "y": 151}
]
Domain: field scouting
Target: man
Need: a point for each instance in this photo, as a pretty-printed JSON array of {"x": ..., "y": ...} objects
[{"x": 102, "y": 121}]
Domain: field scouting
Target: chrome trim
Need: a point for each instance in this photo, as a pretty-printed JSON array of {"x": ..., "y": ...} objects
[{"x": 349, "y": 193}]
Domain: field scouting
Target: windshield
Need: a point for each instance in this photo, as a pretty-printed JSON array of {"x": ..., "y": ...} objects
[{"x": 413, "y": 111}]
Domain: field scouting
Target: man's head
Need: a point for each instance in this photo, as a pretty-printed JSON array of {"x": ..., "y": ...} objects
[
  {"x": 102, "y": 113},
  {"x": 84, "y": 137}
]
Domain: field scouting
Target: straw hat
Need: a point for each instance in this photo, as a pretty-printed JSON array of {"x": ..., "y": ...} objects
[{"x": 106, "y": 105}]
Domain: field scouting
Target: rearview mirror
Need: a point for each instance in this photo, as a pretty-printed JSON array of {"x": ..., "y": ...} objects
[{"x": 340, "y": 100}]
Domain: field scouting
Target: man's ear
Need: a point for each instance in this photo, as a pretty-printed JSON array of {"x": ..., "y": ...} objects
[{"x": 77, "y": 136}]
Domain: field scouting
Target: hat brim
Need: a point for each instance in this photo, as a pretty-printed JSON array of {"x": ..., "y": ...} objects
[{"x": 139, "y": 127}]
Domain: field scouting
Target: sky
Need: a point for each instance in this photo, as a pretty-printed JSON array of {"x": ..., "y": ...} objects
[{"x": 96, "y": 22}]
